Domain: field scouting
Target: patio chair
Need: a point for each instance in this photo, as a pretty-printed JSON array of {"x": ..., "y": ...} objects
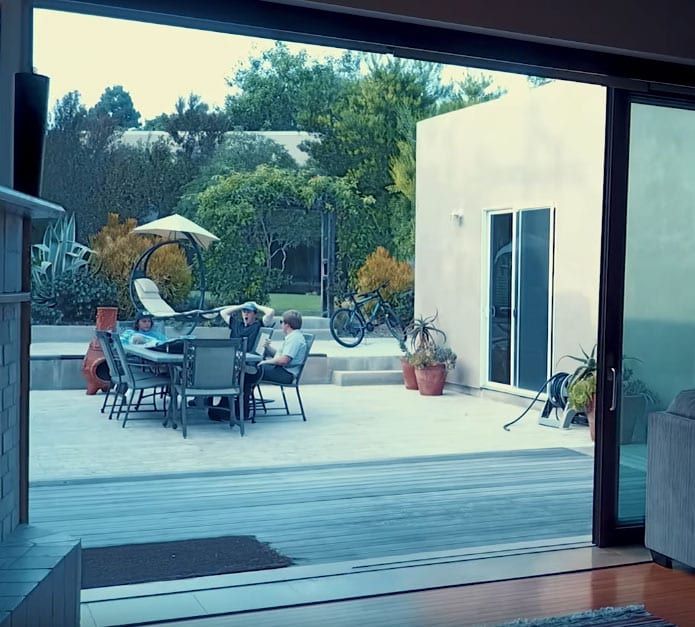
[
  {"x": 118, "y": 385},
  {"x": 138, "y": 377},
  {"x": 265, "y": 333},
  {"x": 212, "y": 368},
  {"x": 309, "y": 339}
]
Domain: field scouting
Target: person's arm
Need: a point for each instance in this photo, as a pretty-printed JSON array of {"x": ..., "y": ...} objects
[
  {"x": 278, "y": 360},
  {"x": 290, "y": 350},
  {"x": 229, "y": 311},
  {"x": 268, "y": 314}
]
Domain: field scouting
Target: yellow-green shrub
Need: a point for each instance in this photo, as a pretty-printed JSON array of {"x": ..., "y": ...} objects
[
  {"x": 116, "y": 251},
  {"x": 380, "y": 267}
]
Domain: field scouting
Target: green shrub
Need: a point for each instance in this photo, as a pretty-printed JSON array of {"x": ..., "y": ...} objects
[
  {"x": 42, "y": 313},
  {"x": 78, "y": 295}
]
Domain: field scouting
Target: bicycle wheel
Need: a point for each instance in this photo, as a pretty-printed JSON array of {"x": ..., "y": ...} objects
[
  {"x": 394, "y": 324},
  {"x": 346, "y": 327}
]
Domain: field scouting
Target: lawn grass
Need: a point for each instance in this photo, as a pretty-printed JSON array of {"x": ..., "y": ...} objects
[{"x": 306, "y": 304}]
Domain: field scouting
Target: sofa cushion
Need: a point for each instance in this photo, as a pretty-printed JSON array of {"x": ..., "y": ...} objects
[{"x": 683, "y": 404}]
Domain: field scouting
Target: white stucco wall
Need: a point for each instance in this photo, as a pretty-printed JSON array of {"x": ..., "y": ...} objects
[{"x": 543, "y": 148}]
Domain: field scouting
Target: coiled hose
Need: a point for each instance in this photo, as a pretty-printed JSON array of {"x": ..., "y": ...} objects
[{"x": 557, "y": 395}]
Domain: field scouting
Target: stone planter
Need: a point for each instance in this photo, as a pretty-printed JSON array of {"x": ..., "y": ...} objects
[
  {"x": 431, "y": 379},
  {"x": 409, "y": 377},
  {"x": 94, "y": 367}
]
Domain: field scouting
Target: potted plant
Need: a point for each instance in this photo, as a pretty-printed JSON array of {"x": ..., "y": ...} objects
[
  {"x": 581, "y": 388},
  {"x": 635, "y": 402},
  {"x": 408, "y": 369},
  {"x": 635, "y": 399},
  {"x": 430, "y": 359}
]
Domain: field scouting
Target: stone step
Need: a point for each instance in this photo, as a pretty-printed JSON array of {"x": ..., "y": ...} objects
[
  {"x": 364, "y": 363},
  {"x": 367, "y": 377}
]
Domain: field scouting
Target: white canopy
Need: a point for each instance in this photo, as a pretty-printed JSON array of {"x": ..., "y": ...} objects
[{"x": 175, "y": 227}]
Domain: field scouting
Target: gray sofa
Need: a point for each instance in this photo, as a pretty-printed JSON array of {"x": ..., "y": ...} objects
[{"x": 670, "y": 504}]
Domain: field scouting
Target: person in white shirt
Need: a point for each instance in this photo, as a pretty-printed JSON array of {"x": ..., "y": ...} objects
[{"x": 283, "y": 365}]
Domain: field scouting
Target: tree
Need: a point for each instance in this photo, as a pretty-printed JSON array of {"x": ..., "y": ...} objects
[
  {"x": 240, "y": 152},
  {"x": 370, "y": 140},
  {"x": 117, "y": 104},
  {"x": 195, "y": 128},
  {"x": 283, "y": 91},
  {"x": 538, "y": 81},
  {"x": 258, "y": 216},
  {"x": 89, "y": 172}
]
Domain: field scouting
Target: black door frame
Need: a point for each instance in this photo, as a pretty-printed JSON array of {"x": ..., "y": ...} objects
[
  {"x": 606, "y": 529},
  {"x": 618, "y": 72}
]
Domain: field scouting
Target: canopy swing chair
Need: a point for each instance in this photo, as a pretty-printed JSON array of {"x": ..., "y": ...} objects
[{"x": 144, "y": 292}]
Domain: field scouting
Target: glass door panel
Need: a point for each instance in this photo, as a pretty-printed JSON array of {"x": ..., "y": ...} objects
[
  {"x": 532, "y": 298},
  {"x": 659, "y": 302},
  {"x": 500, "y": 298}
]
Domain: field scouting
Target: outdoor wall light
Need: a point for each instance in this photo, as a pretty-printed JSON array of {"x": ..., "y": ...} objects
[{"x": 457, "y": 216}]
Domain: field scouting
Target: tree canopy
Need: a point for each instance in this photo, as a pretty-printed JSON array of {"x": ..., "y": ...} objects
[
  {"x": 361, "y": 111},
  {"x": 117, "y": 104}
]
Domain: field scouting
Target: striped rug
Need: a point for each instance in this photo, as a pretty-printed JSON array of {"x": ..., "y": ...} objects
[{"x": 612, "y": 616}]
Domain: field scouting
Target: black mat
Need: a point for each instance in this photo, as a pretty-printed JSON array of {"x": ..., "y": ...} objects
[{"x": 160, "y": 561}]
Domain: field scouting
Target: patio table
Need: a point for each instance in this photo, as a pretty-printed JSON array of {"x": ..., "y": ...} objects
[{"x": 172, "y": 361}]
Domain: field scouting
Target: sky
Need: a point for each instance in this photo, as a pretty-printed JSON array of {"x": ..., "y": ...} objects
[{"x": 156, "y": 64}]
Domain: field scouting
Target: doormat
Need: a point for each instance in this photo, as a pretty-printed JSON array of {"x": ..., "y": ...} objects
[
  {"x": 613, "y": 616},
  {"x": 162, "y": 561}
]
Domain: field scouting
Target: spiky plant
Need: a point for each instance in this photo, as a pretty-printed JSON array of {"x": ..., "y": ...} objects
[{"x": 59, "y": 254}]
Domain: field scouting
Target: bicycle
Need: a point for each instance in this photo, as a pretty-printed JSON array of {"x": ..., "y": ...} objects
[{"x": 348, "y": 324}]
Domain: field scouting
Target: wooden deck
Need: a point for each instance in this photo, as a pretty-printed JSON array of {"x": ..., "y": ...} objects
[{"x": 342, "y": 511}]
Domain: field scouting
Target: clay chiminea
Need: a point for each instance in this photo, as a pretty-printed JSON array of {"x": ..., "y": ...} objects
[{"x": 94, "y": 367}]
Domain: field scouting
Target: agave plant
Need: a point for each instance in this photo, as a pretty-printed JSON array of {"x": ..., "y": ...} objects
[
  {"x": 57, "y": 255},
  {"x": 423, "y": 333},
  {"x": 586, "y": 368}
]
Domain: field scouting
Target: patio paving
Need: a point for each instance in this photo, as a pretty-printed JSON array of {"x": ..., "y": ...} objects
[{"x": 70, "y": 439}]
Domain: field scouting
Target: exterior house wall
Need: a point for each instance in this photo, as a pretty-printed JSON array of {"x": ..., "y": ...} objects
[
  {"x": 543, "y": 148},
  {"x": 10, "y": 279}
]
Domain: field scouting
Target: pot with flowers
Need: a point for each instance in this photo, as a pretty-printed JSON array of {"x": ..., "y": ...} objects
[{"x": 429, "y": 357}]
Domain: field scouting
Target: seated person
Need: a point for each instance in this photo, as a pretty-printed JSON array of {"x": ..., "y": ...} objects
[
  {"x": 283, "y": 365},
  {"x": 247, "y": 325},
  {"x": 142, "y": 331}
]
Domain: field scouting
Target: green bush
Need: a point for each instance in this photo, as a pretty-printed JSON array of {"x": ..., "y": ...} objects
[
  {"x": 42, "y": 313},
  {"x": 404, "y": 304},
  {"x": 77, "y": 297}
]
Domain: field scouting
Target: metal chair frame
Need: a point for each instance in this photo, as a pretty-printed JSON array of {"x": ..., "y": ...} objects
[
  {"x": 137, "y": 381},
  {"x": 309, "y": 339},
  {"x": 188, "y": 381}
]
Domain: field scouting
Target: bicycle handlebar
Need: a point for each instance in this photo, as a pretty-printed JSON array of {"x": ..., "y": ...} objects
[{"x": 373, "y": 292}]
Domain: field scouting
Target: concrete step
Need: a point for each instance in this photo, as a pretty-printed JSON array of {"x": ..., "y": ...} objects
[
  {"x": 364, "y": 363},
  {"x": 367, "y": 377}
]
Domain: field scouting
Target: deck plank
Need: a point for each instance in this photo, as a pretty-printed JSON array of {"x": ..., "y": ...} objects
[{"x": 346, "y": 511}]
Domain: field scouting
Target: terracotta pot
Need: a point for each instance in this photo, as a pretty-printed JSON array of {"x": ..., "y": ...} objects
[
  {"x": 409, "y": 377},
  {"x": 591, "y": 417},
  {"x": 94, "y": 367},
  {"x": 431, "y": 379}
]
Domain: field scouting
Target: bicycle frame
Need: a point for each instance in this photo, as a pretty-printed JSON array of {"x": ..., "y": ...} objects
[{"x": 358, "y": 307}]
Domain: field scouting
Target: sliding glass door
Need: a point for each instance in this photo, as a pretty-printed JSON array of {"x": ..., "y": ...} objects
[
  {"x": 647, "y": 329},
  {"x": 519, "y": 297}
]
